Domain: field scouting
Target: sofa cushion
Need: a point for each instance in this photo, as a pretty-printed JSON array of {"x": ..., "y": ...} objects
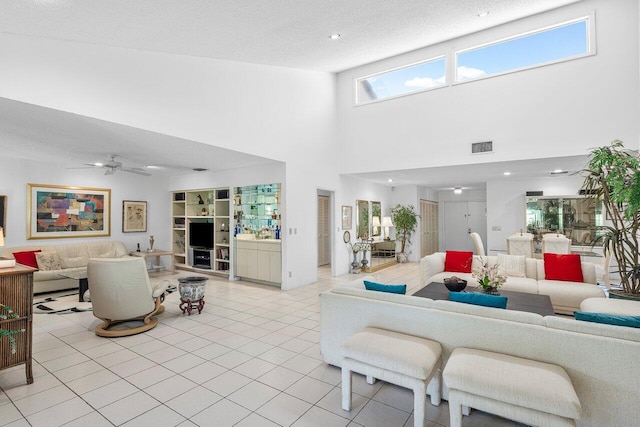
[
  {"x": 565, "y": 267},
  {"x": 611, "y": 306},
  {"x": 458, "y": 261},
  {"x": 520, "y": 284},
  {"x": 379, "y": 287},
  {"x": 474, "y": 298},
  {"x": 567, "y": 296},
  {"x": 48, "y": 261},
  {"x": 74, "y": 262},
  {"x": 27, "y": 258},
  {"x": 511, "y": 265},
  {"x": 608, "y": 319}
]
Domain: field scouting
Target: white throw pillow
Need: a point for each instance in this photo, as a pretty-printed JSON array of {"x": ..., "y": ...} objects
[
  {"x": 512, "y": 265},
  {"x": 48, "y": 261}
]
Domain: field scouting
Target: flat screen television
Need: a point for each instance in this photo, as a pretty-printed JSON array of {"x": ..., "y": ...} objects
[{"x": 201, "y": 235}]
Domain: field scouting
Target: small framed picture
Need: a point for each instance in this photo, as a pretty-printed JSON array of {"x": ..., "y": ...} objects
[
  {"x": 134, "y": 216},
  {"x": 347, "y": 217}
]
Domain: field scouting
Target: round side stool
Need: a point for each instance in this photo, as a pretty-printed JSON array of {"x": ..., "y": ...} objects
[{"x": 191, "y": 290}]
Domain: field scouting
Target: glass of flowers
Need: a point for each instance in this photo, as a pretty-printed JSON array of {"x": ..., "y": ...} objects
[{"x": 489, "y": 278}]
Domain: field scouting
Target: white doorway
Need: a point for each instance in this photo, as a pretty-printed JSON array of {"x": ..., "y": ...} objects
[
  {"x": 324, "y": 227},
  {"x": 428, "y": 227},
  {"x": 460, "y": 219}
]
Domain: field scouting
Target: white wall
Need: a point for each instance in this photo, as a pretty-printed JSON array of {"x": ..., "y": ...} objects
[
  {"x": 16, "y": 173},
  {"x": 557, "y": 110},
  {"x": 506, "y": 204},
  {"x": 274, "y": 112}
]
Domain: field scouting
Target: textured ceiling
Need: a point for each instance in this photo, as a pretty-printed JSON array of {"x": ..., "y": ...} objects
[{"x": 290, "y": 33}]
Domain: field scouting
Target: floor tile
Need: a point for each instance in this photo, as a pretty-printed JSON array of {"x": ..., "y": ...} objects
[
  {"x": 309, "y": 389},
  {"x": 170, "y": 388},
  {"x": 109, "y": 393},
  {"x": 253, "y": 395},
  {"x": 204, "y": 372},
  {"x": 319, "y": 417},
  {"x": 376, "y": 414},
  {"x": 284, "y": 409},
  {"x": 195, "y": 400},
  {"x": 93, "y": 419},
  {"x": 148, "y": 377},
  {"x": 65, "y": 412},
  {"x": 280, "y": 378},
  {"x": 254, "y": 368},
  {"x": 255, "y": 420},
  {"x": 45, "y": 399},
  {"x": 224, "y": 412},
  {"x": 128, "y": 408},
  {"x": 227, "y": 383},
  {"x": 93, "y": 381},
  {"x": 159, "y": 416}
]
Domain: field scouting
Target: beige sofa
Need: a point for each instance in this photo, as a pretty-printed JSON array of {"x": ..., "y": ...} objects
[
  {"x": 73, "y": 257},
  {"x": 565, "y": 296},
  {"x": 608, "y": 394}
]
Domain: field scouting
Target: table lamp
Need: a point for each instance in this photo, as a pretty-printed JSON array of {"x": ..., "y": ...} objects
[{"x": 386, "y": 223}]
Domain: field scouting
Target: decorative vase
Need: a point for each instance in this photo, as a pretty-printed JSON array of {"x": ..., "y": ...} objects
[
  {"x": 621, "y": 295},
  {"x": 151, "y": 241},
  {"x": 355, "y": 264},
  {"x": 364, "y": 262},
  {"x": 491, "y": 291},
  {"x": 402, "y": 257}
]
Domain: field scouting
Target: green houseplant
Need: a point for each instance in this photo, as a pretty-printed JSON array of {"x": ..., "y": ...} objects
[
  {"x": 405, "y": 220},
  {"x": 613, "y": 176}
]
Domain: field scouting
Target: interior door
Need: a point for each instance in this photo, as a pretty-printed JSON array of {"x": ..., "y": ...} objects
[
  {"x": 428, "y": 227},
  {"x": 460, "y": 219},
  {"x": 324, "y": 249}
]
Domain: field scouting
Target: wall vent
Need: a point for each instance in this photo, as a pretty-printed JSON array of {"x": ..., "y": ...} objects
[{"x": 482, "y": 147}]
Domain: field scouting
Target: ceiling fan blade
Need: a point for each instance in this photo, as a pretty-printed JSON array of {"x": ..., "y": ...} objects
[
  {"x": 136, "y": 171},
  {"x": 109, "y": 171}
]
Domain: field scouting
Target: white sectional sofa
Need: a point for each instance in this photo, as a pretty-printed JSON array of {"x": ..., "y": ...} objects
[
  {"x": 565, "y": 296},
  {"x": 598, "y": 358},
  {"x": 73, "y": 256}
]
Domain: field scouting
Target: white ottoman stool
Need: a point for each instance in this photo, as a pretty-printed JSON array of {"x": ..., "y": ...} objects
[
  {"x": 619, "y": 307},
  {"x": 400, "y": 359},
  {"x": 523, "y": 390}
]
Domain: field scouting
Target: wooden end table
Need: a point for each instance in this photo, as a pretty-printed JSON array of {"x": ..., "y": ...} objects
[{"x": 157, "y": 253}]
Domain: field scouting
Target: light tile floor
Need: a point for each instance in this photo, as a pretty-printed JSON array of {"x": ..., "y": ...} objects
[{"x": 250, "y": 359}]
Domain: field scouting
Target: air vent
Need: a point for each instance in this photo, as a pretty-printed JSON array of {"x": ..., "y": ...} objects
[{"x": 482, "y": 147}]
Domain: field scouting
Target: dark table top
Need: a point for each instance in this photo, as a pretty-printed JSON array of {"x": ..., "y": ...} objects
[{"x": 520, "y": 301}]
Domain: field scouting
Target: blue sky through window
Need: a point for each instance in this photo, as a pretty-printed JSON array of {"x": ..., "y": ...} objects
[{"x": 547, "y": 46}]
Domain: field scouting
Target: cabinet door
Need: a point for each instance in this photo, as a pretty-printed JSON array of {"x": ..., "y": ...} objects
[
  {"x": 264, "y": 266},
  {"x": 275, "y": 266},
  {"x": 247, "y": 263}
]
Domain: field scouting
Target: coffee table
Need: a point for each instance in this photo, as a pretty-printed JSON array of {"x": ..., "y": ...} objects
[
  {"x": 520, "y": 301},
  {"x": 81, "y": 277}
]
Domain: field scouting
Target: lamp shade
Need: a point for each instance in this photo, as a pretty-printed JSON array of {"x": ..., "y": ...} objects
[
  {"x": 1, "y": 237},
  {"x": 386, "y": 221}
]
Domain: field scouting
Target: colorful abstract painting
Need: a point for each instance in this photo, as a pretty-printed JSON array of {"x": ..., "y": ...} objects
[{"x": 60, "y": 212}]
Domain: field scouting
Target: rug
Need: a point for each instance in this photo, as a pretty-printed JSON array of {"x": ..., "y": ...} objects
[
  {"x": 68, "y": 303},
  {"x": 61, "y": 304}
]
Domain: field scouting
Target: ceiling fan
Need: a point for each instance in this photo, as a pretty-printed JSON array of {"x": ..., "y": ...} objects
[{"x": 112, "y": 166}]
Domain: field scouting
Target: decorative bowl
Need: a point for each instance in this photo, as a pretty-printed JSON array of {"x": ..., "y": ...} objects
[
  {"x": 455, "y": 286},
  {"x": 192, "y": 288}
]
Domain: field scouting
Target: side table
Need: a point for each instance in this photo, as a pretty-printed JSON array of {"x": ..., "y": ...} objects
[{"x": 157, "y": 253}]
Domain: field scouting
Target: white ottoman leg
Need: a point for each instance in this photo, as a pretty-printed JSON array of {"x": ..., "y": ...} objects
[
  {"x": 435, "y": 388},
  {"x": 466, "y": 410},
  {"x": 346, "y": 387},
  {"x": 370, "y": 380},
  {"x": 419, "y": 404},
  {"x": 455, "y": 410}
]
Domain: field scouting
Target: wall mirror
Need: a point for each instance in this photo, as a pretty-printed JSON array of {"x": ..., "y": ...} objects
[
  {"x": 362, "y": 219},
  {"x": 577, "y": 217},
  {"x": 3, "y": 214},
  {"x": 376, "y": 210}
]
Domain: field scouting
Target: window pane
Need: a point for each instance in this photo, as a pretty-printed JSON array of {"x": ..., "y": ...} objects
[
  {"x": 417, "y": 77},
  {"x": 555, "y": 44}
]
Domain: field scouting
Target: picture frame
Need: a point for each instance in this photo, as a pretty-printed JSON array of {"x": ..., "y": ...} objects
[
  {"x": 347, "y": 217},
  {"x": 134, "y": 216},
  {"x": 56, "y": 211},
  {"x": 3, "y": 214}
]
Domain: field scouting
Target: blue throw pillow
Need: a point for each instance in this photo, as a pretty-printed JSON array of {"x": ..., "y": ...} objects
[
  {"x": 496, "y": 301},
  {"x": 609, "y": 319},
  {"x": 394, "y": 289}
]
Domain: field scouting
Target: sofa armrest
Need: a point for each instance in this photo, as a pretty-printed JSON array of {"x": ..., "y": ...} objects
[{"x": 430, "y": 266}]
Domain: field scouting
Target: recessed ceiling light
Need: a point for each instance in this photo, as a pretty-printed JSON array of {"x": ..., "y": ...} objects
[
  {"x": 334, "y": 36},
  {"x": 152, "y": 167},
  {"x": 389, "y": 180},
  {"x": 506, "y": 173},
  {"x": 98, "y": 164},
  {"x": 558, "y": 172},
  {"x": 457, "y": 190},
  {"x": 483, "y": 14}
]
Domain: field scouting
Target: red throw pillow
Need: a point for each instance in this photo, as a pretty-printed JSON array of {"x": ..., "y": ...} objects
[
  {"x": 27, "y": 258},
  {"x": 566, "y": 267},
  {"x": 458, "y": 261}
]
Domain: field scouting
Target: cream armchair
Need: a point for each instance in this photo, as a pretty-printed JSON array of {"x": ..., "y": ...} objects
[{"x": 121, "y": 292}]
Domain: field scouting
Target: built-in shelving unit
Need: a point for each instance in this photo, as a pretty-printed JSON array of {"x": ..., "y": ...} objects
[
  {"x": 194, "y": 210},
  {"x": 257, "y": 209}
]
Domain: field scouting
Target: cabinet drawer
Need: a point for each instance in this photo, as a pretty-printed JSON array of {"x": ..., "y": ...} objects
[
  {"x": 269, "y": 246},
  {"x": 247, "y": 245}
]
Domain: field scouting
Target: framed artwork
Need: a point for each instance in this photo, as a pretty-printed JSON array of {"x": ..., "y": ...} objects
[
  {"x": 347, "y": 217},
  {"x": 55, "y": 211},
  {"x": 3, "y": 214},
  {"x": 134, "y": 216}
]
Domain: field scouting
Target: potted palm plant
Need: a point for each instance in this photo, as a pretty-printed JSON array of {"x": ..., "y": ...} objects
[
  {"x": 613, "y": 177},
  {"x": 405, "y": 221}
]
